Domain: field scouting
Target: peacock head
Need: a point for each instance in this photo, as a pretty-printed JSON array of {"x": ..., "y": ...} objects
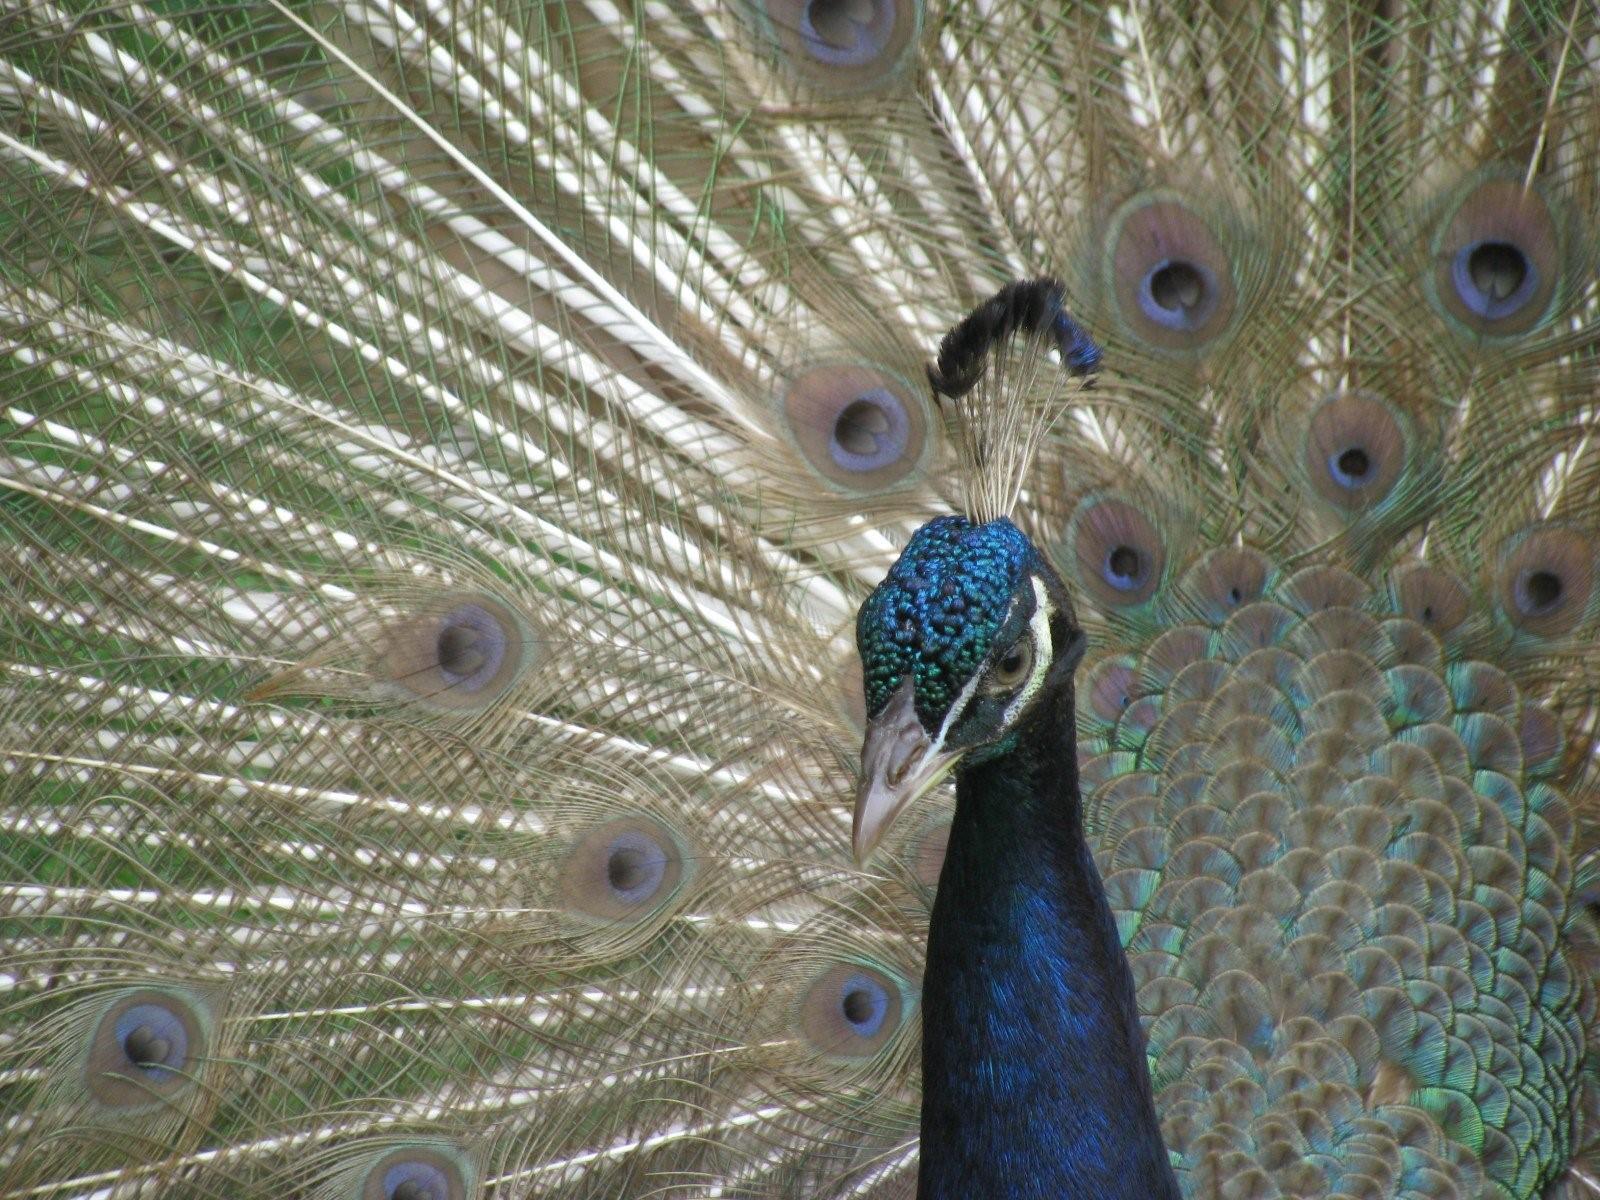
[{"x": 959, "y": 644}]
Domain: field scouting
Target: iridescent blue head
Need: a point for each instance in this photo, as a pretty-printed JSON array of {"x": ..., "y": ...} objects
[{"x": 958, "y": 644}]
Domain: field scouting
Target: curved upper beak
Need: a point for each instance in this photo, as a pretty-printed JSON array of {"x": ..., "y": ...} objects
[{"x": 899, "y": 763}]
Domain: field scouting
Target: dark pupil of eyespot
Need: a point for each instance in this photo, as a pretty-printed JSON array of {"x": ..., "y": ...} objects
[
  {"x": 1012, "y": 662},
  {"x": 144, "y": 1047},
  {"x": 1124, "y": 562},
  {"x": 836, "y": 20},
  {"x": 857, "y": 1007},
  {"x": 459, "y": 649},
  {"x": 625, "y": 869},
  {"x": 860, "y": 427},
  {"x": 1498, "y": 269},
  {"x": 1177, "y": 286},
  {"x": 1544, "y": 588},
  {"x": 1354, "y": 462}
]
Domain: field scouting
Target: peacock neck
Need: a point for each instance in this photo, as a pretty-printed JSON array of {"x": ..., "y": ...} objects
[{"x": 1034, "y": 1076}]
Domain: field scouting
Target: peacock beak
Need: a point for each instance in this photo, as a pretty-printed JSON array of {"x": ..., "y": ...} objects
[{"x": 899, "y": 763}]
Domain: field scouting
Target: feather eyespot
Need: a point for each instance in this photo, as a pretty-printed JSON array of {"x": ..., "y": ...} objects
[
  {"x": 1170, "y": 274},
  {"x": 845, "y": 46},
  {"x": 1356, "y": 449},
  {"x": 416, "y": 1173},
  {"x": 461, "y": 656},
  {"x": 1119, "y": 555},
  {"x": 144, "y": 1048},
  {"x": 622, "y": 870},
  {"x": 1497, "y": 259},
  {"x": 851, "y": 1010},
  {"x": 860, "y": 428},
  {"x": 1547, "y": 579}
]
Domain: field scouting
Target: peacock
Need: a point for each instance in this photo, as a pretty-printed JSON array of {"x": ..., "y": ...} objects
[{"x": 505, "y": 507}]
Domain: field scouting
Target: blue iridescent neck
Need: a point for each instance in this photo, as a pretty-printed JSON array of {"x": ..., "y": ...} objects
[{"x": 1034, "y": 1075}]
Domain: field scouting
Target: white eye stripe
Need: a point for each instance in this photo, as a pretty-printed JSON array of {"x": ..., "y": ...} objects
[{"x": 1039, "y": 627}]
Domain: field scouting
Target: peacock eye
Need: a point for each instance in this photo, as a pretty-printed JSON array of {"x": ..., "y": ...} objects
[{"x": 1012, "y": 669}]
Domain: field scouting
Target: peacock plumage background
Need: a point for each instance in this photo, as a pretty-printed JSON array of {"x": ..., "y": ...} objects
[{"x": 443, "y": 447}]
